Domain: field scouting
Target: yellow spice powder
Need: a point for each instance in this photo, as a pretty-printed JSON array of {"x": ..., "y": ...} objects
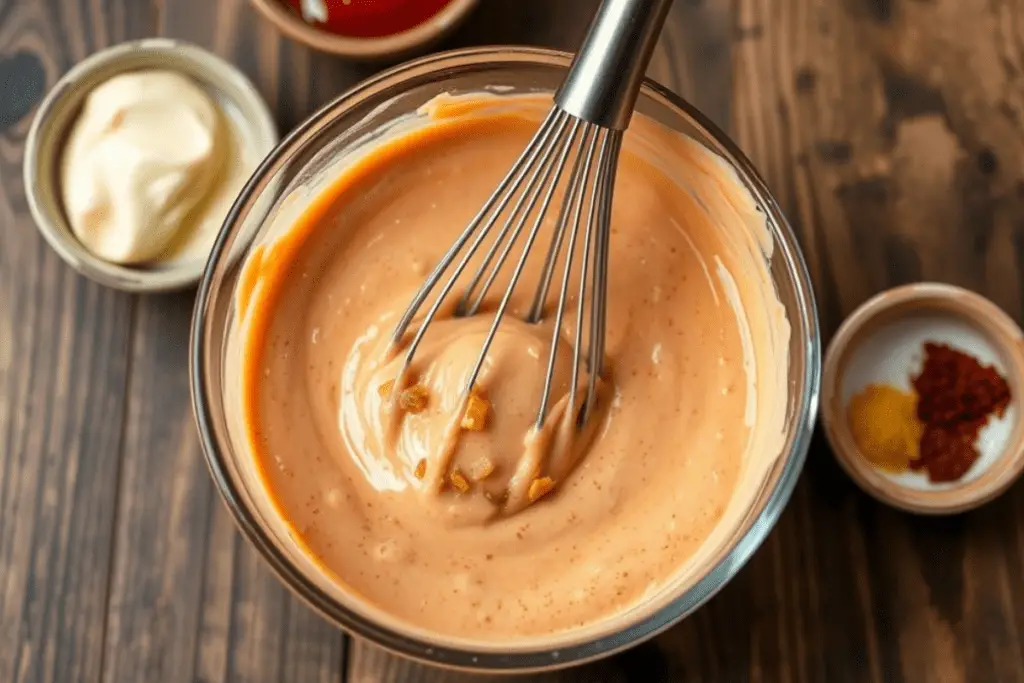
[{"x": 883, "y": 422}]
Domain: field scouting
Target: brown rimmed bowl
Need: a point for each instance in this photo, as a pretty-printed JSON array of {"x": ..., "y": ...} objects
[
  {"x": 235, "y": 95},
  {"x": 882, "y": 342}
]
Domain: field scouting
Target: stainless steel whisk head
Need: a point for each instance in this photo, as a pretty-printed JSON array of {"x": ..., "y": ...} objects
[{"x": 584, "y": 128}]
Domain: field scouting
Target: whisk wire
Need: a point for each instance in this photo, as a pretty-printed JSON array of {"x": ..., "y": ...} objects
[
  {"x": 594, "y": 103},
  {"x": 550, "y": 261},
  {"x": 573, "y": 206},
  {"x": 589, "y": 257},
  {"x": 598, "y": 305},
  {"x": 565, "y": 147},
  {"x": 500, "y": 198},
  {"x": 587, "y": 200},
  {"x": 497, "y": 202},
  {"x": 520, "y": 213}
]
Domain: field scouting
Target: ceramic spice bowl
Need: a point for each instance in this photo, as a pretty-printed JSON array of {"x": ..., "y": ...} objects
[
  {"x": 234, "y": 95},
  {"x": 882, "y": 343}
]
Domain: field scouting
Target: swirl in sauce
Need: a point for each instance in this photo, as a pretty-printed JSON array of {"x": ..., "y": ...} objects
[{"x": 691, "y": 410}]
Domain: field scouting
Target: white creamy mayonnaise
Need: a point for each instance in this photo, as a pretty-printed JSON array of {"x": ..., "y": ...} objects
[{"x": 146, "y": 153}]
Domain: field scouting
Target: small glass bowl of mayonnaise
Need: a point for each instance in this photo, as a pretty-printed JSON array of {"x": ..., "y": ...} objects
[
  {"x": 292, "y": 177},
  {"x": 134, "y": 159}
]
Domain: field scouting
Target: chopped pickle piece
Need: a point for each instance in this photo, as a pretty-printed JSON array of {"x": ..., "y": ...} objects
[
  {"x": 384, "y": 390},
  {"x": 414, "y": 399},
  {"x": 481, "y": 469},
  {"x": 421, "y": 469},
  {"x": 539, "y": 488},
  {"x": 475, "y": 417},
  {"x": 459, "y": 482}
]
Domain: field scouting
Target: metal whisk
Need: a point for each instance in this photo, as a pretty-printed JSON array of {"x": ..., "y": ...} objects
[{"x": 591, "y": 111}]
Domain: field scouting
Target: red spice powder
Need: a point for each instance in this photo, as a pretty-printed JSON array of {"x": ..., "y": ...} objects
[
  {"x": 956, "y": 396},
  {"x": 946, "y": 454},
  {"x": 367, "y": 18}
]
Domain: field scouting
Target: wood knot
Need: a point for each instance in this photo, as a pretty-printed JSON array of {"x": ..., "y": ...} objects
[
  {"x": 806, "y": 80},
  {"x": 988, "y": 163},
  {"x": 24, "y": 82}
]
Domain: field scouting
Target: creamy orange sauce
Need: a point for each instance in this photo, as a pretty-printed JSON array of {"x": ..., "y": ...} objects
[{"x": 689, "y": 418}]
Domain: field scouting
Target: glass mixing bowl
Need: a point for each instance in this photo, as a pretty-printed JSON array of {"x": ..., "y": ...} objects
[{"x": 278, "y": 192}]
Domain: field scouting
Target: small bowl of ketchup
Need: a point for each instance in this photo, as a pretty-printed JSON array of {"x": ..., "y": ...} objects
[{"x": 366, "y": 29}]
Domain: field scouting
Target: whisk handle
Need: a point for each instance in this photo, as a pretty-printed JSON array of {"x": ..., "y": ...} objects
[{"x": 604, "y": 80}]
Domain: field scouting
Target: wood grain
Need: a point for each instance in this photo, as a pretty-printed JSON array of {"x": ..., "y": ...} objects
[
  {"x": 877, "y": 124},
  {"x": 63, "y": 367},
  {"x": 188, "y": 599},
  {"x": 889, "y": 130}
]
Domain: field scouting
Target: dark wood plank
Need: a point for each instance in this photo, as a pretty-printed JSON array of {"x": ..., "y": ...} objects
[
  {"x": 164, "y": 508},
  {"x": 63, "y": 368},
  {"x": 370, "y": 664},
  {"x": 871, "y": 121},
  {"x": 890, "y": 132},
  {"x": 189, "y": 599}
]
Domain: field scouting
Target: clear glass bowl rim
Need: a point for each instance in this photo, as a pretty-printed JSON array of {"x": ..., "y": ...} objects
[{"x": 539, "y": 659}]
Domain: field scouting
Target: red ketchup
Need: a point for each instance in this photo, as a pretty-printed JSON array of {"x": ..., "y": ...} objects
[{"x": 366, "y": 18}]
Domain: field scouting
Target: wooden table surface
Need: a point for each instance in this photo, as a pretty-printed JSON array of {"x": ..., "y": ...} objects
[{"x": 892, "y": 132}]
